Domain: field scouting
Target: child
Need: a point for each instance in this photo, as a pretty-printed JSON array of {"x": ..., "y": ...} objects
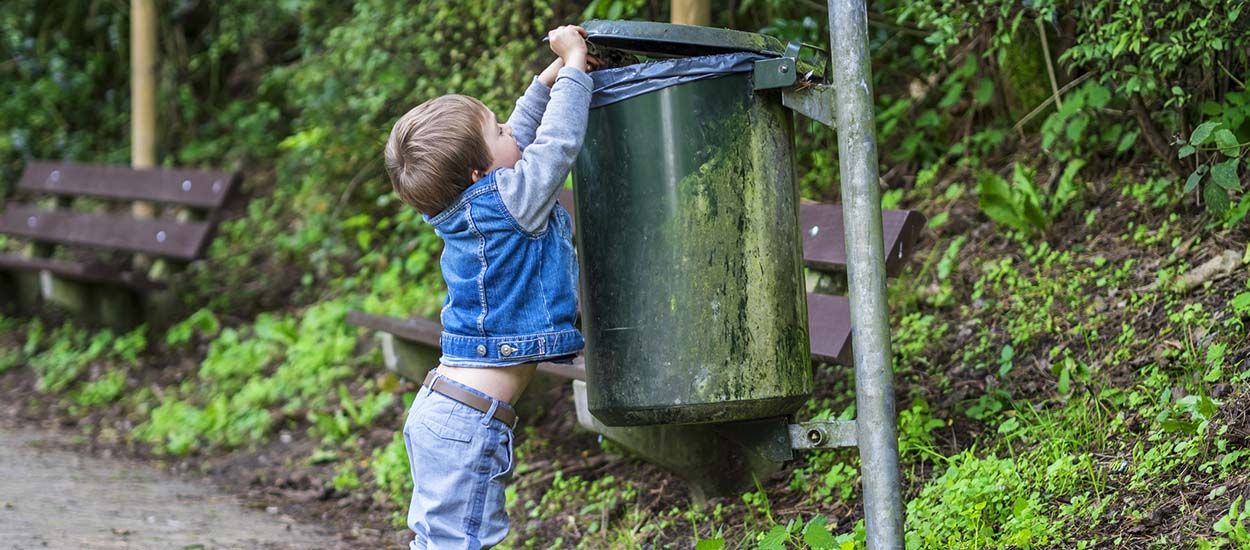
[{"x": 489, "y": 190}]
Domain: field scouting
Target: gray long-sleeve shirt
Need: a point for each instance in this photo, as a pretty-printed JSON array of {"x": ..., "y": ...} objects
[{"x": 549, "y": 126}]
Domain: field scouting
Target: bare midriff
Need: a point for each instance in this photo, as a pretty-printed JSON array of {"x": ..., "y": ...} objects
[{"x": 502, "y": 383}]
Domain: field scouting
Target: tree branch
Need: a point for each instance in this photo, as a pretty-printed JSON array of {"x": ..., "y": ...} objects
[{"x": 1155, "y": 139}]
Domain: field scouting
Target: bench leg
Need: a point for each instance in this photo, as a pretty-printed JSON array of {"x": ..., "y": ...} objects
[
  {"x": 8, "y": 293},
  {"x": 534, "y": 403},
  {"x": 101, "y": 305},
  {"x": 26, "y": 294},
  {"x": 713, "y": 459},
  {"x": 116, "y": 308},
  {"x": 409, "y": 360},
  {"x": 160, "y": 309},
  {"x": 74, "y": 298}
]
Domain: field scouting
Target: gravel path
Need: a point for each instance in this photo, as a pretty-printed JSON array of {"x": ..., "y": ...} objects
[{"x": 52, "y": 498}]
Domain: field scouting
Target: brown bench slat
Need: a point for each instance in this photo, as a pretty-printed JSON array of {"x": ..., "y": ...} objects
[
  {"x": 824, "y": 248},
  {"x": 170, "y": 239},
  {"x": 829, "y": 326},
  {"x": 415, "y": 329},
  {"x": 828, "y": 318},
  {"x": 78, "y": 272},
  {"x": 574, "y": 371},
  {"x": 193, "y": 188},
  {"x": 823, "y": 237},
  {"x": 427, "y": 332}
]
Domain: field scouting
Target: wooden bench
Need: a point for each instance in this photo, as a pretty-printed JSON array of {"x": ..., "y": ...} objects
[
  {"x": 711, "y": 459},
  {"x": 88, "y": 252},
  {"x": 829, "y": 321}
]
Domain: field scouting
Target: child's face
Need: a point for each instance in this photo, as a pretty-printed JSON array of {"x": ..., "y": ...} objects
[{"x": 504, "y": 152}]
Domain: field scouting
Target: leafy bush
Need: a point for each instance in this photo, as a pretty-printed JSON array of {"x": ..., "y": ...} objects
[
  {"x": 1023, "y": 205},
  {"x": 977, "y": 503},
  {"x": 238, "y": 381},
  {"x": 105, "y": 389}
]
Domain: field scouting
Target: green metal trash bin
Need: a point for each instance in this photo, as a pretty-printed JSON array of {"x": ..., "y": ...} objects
[{"x": 693, "y": 302}]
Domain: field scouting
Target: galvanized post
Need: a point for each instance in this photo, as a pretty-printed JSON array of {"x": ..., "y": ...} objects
[{"x": 865, "y": 254}]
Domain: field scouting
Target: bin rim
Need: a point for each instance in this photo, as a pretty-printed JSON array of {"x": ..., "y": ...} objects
[{"x": 668, "y": 39}]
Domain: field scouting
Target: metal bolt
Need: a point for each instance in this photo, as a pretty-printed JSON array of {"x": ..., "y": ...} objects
[
  {"x": 783, "y": 68},
  {"x": 186, "y": 185},
  {"x": 815, "y": 230},
  {"x": 160, "y": 236},
  {"x": 217, "y": 186},
  {"x": 816, "y": 436},
  {"x": 481, "y": 350},
  {"x": 32, "y": 221},
  {"x": 55, "y": 176}
]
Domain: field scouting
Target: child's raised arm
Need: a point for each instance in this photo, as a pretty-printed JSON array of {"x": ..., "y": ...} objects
[
  {"x": 530, "y": 188},
  {"x": 529, "y": 109}
]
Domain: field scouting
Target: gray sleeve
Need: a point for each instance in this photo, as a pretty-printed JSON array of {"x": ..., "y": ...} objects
[
  {"x": 529, "y": 189},
  {"x": 528, "y": 112}
]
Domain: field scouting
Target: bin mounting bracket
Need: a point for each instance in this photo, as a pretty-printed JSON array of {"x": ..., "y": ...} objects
[
  {"x": 823, "y": 434},
  {"x": 815, "y": 102},
  {"x": 779, "y": 72}
]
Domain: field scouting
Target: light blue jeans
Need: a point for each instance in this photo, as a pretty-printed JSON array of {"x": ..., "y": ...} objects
[{"x": 461, "y": 458}]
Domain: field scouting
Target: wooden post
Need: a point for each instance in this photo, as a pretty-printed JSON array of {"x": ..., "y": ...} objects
[
  {"x": 142, "y": 96},
  {"x": 118, "y": 304},
  {"x": 692, "y": 12},
  {"x": 143, "y": 89}
]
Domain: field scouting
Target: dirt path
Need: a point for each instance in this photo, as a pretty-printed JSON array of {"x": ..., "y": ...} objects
[{"x": 53, "y": 498}]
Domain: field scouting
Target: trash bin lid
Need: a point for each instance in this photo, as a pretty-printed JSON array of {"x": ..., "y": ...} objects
[{"x": 651, "y": 38}]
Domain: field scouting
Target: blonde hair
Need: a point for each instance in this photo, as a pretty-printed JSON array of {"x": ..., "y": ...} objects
[{"x": 434, "y": 149}]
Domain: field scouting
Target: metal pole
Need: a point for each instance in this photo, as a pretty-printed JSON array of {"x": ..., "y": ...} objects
[{"x": 865, "y": 255}]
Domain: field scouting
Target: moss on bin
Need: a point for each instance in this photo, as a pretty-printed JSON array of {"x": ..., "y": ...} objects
[{"x": 717, "y": 329}]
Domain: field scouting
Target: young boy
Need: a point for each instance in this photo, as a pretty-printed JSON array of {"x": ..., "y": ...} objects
[{"x": 489, "y": 190}]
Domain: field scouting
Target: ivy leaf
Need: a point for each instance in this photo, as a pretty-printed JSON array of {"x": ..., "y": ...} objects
[
  {"x": 984, "y": 92},
  {"x": 1065, "y": 381},
  {"x": 1034, "y": 214},
  {"x": 1202, "y": 132},
  {"x": 1076, "y": 128},
  {"x": 710, "y": 544},
  {"x": 1227, "y": 142},
  {"x": 775, "y": 539},
  {"x": 817, "y": 536},
  {"x": 1224, "y": 174},
  {"x": 1099, "y": 96},
  {"x": 1195, "y": 178},
  {"x": 1216, "y": 197},
  {"x": 1241, "y": 303},
  {"x": 1186, "y": 151},
  {"x": 1004, "y": 214},
  {"x": 1126, "y": 142}
]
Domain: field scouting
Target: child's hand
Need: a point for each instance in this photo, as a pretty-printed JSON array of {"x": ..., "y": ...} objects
[
  {"x": 569, "y": 42},
  {"x": 548, "y": 76}
]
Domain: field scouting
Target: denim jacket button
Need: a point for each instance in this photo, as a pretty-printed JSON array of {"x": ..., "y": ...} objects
[
  {"x": 506, "y": 350},
  {"x": 481, "y": 350}
]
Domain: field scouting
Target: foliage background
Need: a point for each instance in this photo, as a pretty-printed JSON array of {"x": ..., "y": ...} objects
[{"x": 1139, "y": 133}]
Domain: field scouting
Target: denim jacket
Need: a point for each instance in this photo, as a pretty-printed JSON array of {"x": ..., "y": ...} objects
[{"x": 508, "y": 257}]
